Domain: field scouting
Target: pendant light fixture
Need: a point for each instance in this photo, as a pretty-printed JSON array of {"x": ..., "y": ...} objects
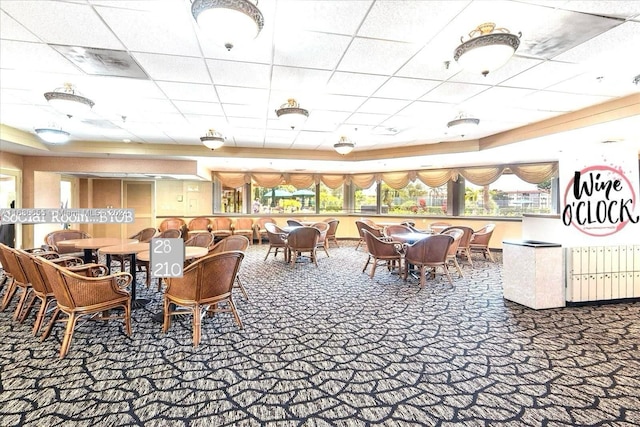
[
  {"x": 292, "y": 114},
  {"x": 344, "y": 146},
  {"x": 213, "y": 139},
  {"x": 68, "y": 101},
  {"x": 463, "y": 124},
  {"x": 228, "y": 22},
  {"x": 53, "y": 135},
  {"x": 487, "y": 49}
]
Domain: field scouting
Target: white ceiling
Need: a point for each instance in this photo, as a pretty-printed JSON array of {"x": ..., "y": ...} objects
[{"x": 362, "y": 68}]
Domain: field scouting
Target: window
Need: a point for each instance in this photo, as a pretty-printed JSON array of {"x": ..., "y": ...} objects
[
  {"x": 414, "y": 199},
  {"x": 279, "y": 199},
  {"x": 366, "y": 199},
  {"x": 507, "y": 196},
  {"x": 331, "y": 200}
]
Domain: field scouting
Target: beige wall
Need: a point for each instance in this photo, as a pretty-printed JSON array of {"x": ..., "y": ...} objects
[
  {"x": 47, "y": 195},
  {"x": 183, "y": 198}
]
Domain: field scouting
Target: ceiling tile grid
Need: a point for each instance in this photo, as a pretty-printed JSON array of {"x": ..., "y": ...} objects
[{"x": 383, "y": 67}]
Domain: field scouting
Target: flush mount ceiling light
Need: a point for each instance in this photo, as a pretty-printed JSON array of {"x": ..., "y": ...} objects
[
  {"x": 228, "y": 22},
  {"x": 213, "y": 139},
  {"x": 487, "y": 49},
  {"x": 462, "y": 124},
  {"x": 292, "y": 114},
  {"x": 53, "y": 135},
  {"x": 68, "y": 101},
  {"x": 344, "y": 146}
]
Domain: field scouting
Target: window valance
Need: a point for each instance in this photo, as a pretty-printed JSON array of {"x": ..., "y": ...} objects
[{"x": 531, "y": 173}]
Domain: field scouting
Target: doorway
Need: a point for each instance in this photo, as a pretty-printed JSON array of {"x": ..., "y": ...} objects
[{"x": 138, "y": 195}]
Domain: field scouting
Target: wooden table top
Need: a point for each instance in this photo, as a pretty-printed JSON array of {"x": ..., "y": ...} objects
[
  {"x": 95, "y": 242},
  {"x": 190, "y": 252},
  {"x": 124, "y": 248},
  {"x": 409, "y": 237}
]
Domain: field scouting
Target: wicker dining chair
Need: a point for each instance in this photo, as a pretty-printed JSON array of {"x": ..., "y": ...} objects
[
  {"x": 331, "y": 233},
  {"x": 41, "y": 288},
  {"x": 51, "y": 241},
  {"x": 323, "y": 227},
  {"x": 204, "y": 286},
  {"x": 430, "y": 252},
  {"x": 396, "y": 229},
  {"x": 19, "y": 281},
  {"x": 202, "y": 240},
  {"x": 143, "y": 236},
  {"x": 452, "y": 254},
  {"x": 233, "y": 243},
  {"x": 301, "y": 240},
  {"x": 221, "y": 227},
  {"x": 480, "y": 241},
  {"x": 261, "y": 232},
  {"x": 201, "y": 224},
  {"x": 463, "y": 246},
  {"x": 381, "y": 252},
  {"x": 277, "y": 240},
  {"x": 79, "y": 296},
  {"x": 362, "y": 225},
  {"x": 243, "y": 227}
]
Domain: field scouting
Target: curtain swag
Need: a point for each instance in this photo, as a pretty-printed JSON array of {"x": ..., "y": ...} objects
[{"x": 531, "y": 173}]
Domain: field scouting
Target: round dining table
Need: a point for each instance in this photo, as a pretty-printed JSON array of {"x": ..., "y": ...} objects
[
  {"x": 91, "y": 244},
  {"x": 409, "y": 238},
  {"x": 130, "y": 249}
]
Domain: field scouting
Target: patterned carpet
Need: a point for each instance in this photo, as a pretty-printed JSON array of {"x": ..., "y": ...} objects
[{"x": 328, "y": 346}]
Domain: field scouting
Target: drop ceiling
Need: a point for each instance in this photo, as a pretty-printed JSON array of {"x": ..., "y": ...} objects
[{"x": 380, "y": 72}]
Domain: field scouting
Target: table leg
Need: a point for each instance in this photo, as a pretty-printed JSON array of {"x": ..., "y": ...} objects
[
  {"x": 135, "y": 302},
  {"x": 88, "y": 256}
]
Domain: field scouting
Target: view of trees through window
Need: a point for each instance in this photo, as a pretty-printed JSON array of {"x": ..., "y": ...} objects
[
  {"x": 288, "y": 199},
  {"x": 507, "y": 196}
]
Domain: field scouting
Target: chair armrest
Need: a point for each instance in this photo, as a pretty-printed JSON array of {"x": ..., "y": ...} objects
[
  {"x": 90, "y": 270},
  {"x": 66, "y": 261}
]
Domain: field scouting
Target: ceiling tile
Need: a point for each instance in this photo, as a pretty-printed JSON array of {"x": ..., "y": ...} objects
[
  {"x": 354, "y": 84},
  {"x": 311, "y": 50},
  {"x": 255, "y": 111},
  {"x": 297, "y": 81},
  {"x": 326, "y": 16},
  {"x": 320, "y": 120},
  {"x": 621, "y": 9},
  {"x": 559, "y": 101},
  {"x": 194, "y": 107},
  {"x": 34, "y": 57},
  {"x": 495, "y": 96},
  {"x": 608, "y": 51},
  {"x": 382, "y": 106},
  {"x": 189, "y": 92},
  {"x": 334, "y": 102},
  {"x": 239, "y": 73},
  {"x": 376, "y": 56},
  {"x": 544, "y": 75},
  {"x": 75, "y": 24},
  {"x": 420, "y": 20},
  {"x": 173, "y": 68},
  {"x": 162, "y": 29},
  {"x": 366, "y": 119},
  {"x": 453, "y": 92},
  {"x": 405, "y": 88},
  {"x": 241, "y": 95},
  {"x": 513, "y": 67},
  {"x": 12, "y": 30}
]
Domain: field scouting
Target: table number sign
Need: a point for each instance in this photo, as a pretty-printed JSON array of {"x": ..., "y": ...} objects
[{"x": 167, "y": 257}]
